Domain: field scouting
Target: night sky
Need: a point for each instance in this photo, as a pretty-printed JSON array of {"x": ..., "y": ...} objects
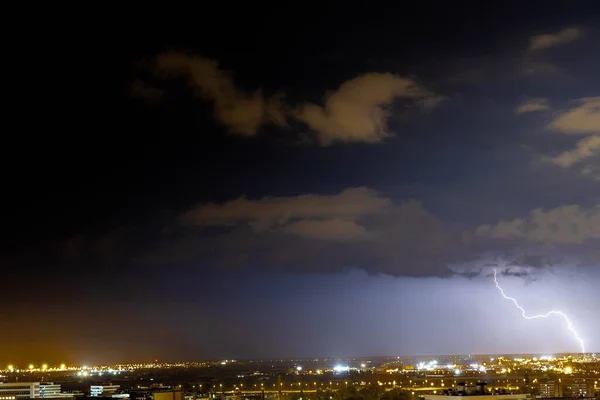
[{"x": 319, "y": 179}]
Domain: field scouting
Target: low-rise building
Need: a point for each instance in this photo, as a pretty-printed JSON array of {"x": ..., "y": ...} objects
[
  {"x": 20, "y": 390},
  {"x": 103, "y": 390}
]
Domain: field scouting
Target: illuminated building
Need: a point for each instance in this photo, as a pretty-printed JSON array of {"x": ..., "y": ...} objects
[
  {"x": 103, "y": 390},
  {"x": 28, "y": 390},
  {"x": 20, "y": 390},
  {"x": 50, "y": 389},
  {"x": 480, "y": 397},
  {"x": 580, "y": 388},
  {"x": 31, "y": 390},
  {"x": 476, "y": 392},
  {"x": 550, "y": 389}
]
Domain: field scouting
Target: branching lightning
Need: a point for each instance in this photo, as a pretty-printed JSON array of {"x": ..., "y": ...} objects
[{"x": 548, "y": 314}]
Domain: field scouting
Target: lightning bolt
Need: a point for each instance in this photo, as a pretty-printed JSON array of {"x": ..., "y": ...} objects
[{"x": 549, "y": 313}]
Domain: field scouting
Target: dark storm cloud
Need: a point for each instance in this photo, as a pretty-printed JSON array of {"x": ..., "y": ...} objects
[
  {"x": 361, "y": 228},
  {"x": 356, "y": 228},
  {"x": 364, "y": 228},
  {"x": 488, "y": 272},
  {"x": 565, "y": 225},
  {"x": 532, "y": 260},
  {"x": 517, "y": 274},
  {"x": 154, "y": 214}
]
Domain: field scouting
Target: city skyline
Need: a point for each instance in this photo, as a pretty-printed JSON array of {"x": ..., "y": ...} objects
[
  {"x": 414, "y": 361},
  {"x": 274, "y": 182},
  {"x": 508, "y": 378}
]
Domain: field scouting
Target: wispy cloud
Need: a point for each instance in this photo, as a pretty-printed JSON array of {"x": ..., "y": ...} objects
[
  {"x": 544, "y": 41},
  {"x": 532, "y": 105},
  {"x": 586, "y": 148},
  {"x": 278, "y": 212},
  {"x": 357, "y": 111},
  {"x": 240, "y": 111},
  {"x": 582, "y": 119}
]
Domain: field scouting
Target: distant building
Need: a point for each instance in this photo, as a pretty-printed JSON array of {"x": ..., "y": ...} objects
[
  {"x": 31, "y": 390},
  {"x": 580, "y": 388},
  {"x": 480, "y": 397},
  {"x": 177, "y": 395},
  {"x": 550, "y": 389},
  {"x": 476, "y": 392},
  {"x": 103, "y": 390},
  {"x": 50, "y": 389},
  {"x": 20, "y": 390}
]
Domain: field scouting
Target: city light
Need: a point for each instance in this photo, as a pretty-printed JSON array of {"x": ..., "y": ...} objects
[
  {"x": 404, "y": 375},
  {"x": 568, "y": 370},
  {"x": 548, "y": 314}
]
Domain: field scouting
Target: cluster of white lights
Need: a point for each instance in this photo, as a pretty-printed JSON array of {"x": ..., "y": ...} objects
[
  {"x": 341, "y": 368},
  {"x": 92, "y": 372},
  {"x": 430, "y": 366},
  {"x": 547, "y": 358}
]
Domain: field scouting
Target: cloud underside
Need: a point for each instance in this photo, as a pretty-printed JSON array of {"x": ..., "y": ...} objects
[
  {"x": 357, "y": 111},
  {"x": 357, "y": 228},
  {"x": 566, "y": 225}
]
